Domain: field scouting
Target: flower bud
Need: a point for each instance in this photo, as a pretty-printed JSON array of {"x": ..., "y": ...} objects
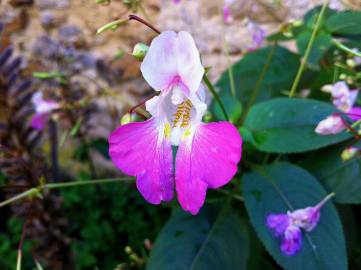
[
  {"x": 333, "y": 124},
  {"x": 351, "y": 63},
  {"x": 140, "y": 50},
  {"x": 349, "y": 153},
  {"x": 126, "y": 119}
]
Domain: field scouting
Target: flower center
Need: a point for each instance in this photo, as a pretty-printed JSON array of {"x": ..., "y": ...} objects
[{"x": 182, "y": 114}]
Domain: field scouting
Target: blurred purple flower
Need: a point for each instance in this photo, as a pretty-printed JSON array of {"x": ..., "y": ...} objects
[
  {"x": 43, "y": 109},
  {"x": 207, "y": 154},
  {"x": 333, "y": 124},
  {"x": 344, "y": 99},
  {"x": 288, "y": 226},
  {"x": 292, "y": 240},
  {"x": 258, "y": 35},
  {"x": 227, "y": 15}
]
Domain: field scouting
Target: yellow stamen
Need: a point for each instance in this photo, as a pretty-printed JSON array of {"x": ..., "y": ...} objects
[{"x": 184, "y": 112}]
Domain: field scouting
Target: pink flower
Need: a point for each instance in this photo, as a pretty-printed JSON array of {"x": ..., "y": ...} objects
[
  {"x": 258, "y": 35},
  {"x": 343, "y": 98},
  {"x": 288, "y": 226},
  {"x": 333, "y": 124},
  {"x": 207, "y": 154},
  {"x": 43, "y": 108},
  {"x": 227, "y": 15}
]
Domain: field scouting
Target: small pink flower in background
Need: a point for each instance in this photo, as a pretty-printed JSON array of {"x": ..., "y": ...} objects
[
  {"x": 333, "y": 124},
  {"x": 344, "y": 99},
  {"x": 288, "y": 226},
  {"x": 176, "y": 1},
  {"x": 43, "y": 108},
  {"x": 258, "y": 35},
  {"x": 207, "y": 154},
  {"x": 227, "y": 15}
]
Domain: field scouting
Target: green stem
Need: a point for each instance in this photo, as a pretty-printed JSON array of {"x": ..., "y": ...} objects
[
  {"x": 342, "y": 47},
  {"x": 354, "y": 125},
  {"x": 215, "y": 95},
  {"x": 308, "y": 49},
  {"x": 36, "y": 190},
  {"x": 230, "y": 70},
  {"x": 257, "y": 87},
  {"x": 234, "y": 196}
]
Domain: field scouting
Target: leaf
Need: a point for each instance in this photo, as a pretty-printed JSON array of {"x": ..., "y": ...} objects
[
  {"x": 345, "y": 23},
  {"x": 285, "y": 125},
  {"x": 273, "y": 189},
  {"x": 232, "y": 105},
  {"x": 341, "y": 177},
  {"x": 211, "y": 240},
  {"x": 321, "y": 44},
  {"x": 279, "y": 75}
]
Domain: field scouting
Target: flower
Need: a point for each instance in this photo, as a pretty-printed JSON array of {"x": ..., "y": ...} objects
[
  {"x": 227, "y": 16},
  {"x": 349, "y": 152},
  {"x": 288, "y": 226},
  {"x": 258, "y": 35},
  {"x": 344, "y": 99},
  {"x": 43, "y": 108},
  {"x": 333, "y": 124},
  {"x": 207, "y": 154}
]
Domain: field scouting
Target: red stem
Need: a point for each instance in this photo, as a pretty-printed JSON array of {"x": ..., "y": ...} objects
[{"x": 136, "y": 18}]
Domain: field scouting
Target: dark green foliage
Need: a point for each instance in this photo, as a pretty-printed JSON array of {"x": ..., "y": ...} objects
[
  {"x": 287, "y": 125},
  {"x": 104, "y": 219},
  {"x": 214, "y": 239}
]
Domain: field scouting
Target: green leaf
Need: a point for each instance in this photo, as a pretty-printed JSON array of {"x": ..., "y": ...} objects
[
  {"x": 232, "y": 106},
  {"x": 311, "y": 16},
  {"x": 341, "y": 177},
  {"x": 278, "y": 76},
  {"x": 321, "y": 44},
  {"x": 345, "y": 23},
  {"x": 214, "y": 239},
  {"x": 285, "y": 125},
  {"x": 282, "y": 187}
]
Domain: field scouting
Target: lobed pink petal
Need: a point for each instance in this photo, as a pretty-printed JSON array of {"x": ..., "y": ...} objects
[
  {"x": 208, "y": 161},
  {"x": 189, "y": 64},
  {"x": 140, "y": 150},
  {"x": 173, "y": 59},
  {"x": 159, "y": 67}
]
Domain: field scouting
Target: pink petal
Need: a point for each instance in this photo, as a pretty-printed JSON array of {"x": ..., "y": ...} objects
[
  {"x": 354, "y": 113},
  {"x": 208, "y": 161},
  {"x": 39, "y": 120},
  {"x": 189, "y": 64},
  {"x": 138, "y": 150},
  {"x": 173, "y": 58}
]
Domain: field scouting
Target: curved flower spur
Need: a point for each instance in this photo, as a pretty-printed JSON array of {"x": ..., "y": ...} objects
[{"x": 207, "y": 154}]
